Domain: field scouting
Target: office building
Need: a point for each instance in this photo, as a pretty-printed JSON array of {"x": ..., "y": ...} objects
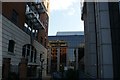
[
  {"x": 102, "y": 46},
  {"x": 57, "y": 55},
  {"x": 73, "y": 41}
]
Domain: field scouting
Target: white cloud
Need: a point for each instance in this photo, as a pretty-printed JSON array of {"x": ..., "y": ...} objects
[
  {"x": 71, "y": 12},
  {"x": 61, "y": 4}
]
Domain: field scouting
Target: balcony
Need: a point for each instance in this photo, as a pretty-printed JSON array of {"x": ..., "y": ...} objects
[
  {"x": 41, "y": 7},
  {"x": 37, "y": 7},
  {"x": 32, "y": 17}
]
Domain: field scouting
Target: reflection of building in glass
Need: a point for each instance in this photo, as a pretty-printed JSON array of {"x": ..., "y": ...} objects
[
  {"x": 73, "y": 40},
  {"x": 58, "y": 54}
]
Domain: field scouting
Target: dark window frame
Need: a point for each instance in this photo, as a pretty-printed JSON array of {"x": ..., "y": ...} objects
[
  {"x": 14, "y": 16},
  {"x": 27, "y": 51},
  {"x": 11, "y": 46}
]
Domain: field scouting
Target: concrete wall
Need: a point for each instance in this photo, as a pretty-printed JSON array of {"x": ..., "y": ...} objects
[
  {"x": 104, "y": 40},
  {"x": 98, "y": 40},
  {"x": 12, "y": 32},
  {"x": 90, "y": 41},
  {"x": 41, "y": 50}
]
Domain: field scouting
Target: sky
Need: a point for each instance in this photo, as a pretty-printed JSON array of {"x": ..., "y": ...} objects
[{"x": 65, "y": 15}]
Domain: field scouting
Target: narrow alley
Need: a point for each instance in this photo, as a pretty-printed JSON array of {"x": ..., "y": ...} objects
[{"x": 60, "y": 40}]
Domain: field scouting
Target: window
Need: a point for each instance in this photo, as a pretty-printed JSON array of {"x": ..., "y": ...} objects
[
  {"x": 41, "y": 40},
  {"x": 29, "y": 52},
  {"x": 14, "y": 17},
  {"x": 35, "y": 56},
  {"x": 37, "y": 33},
  {"x": 23, "y": 51},
  {"x": 11, "y": 46}
]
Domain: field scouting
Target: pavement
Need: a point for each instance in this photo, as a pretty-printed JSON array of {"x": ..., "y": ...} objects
[
  {"x": 82, "y": 76},
  {"x": 46, "y": 78}
]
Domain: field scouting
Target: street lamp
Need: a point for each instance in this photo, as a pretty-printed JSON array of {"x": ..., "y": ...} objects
[{"x": 41, "y": 66}]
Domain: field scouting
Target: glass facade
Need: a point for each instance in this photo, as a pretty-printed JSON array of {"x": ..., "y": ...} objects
[{"x": 73, "y": 41}]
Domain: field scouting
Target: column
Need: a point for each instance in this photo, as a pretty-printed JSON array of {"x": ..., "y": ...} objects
[
  {"x": 76, "y": 58},
  {"x": 6, "y": 68},
  {"x": 104, "y": 40},
  {"x": 29, "y": 59},
  {"x": 23, "y": 69},
  {"x": 58, "y": 58},
  {"x": 90, "y": 43},
  {"x": 67, "y": 58}
]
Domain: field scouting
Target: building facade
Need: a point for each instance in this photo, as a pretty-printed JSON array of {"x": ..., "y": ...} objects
[
  {"x": 73, "y": 41},
  {"x": 57, "y": 57},
  {"x": 21, "y": 47},
  {"x": 101, "y": 24}
]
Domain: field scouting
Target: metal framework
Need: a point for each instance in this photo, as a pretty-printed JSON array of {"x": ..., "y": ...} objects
[{"x": 33, "y": 11}]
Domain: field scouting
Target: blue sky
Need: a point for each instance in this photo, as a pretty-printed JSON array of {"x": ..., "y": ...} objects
[{"x": 65, "y": 15}]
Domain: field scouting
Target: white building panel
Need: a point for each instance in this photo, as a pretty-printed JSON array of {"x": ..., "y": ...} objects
[
  {"x": 12, "y": 32},
  {"x": 41, "y": 50}
]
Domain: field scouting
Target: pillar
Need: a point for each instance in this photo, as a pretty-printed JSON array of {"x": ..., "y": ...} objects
[
  {"x": 23, "y": 69},
  {"x": 77, "y": 59},
  {"x": 6, "y": 68},
  {"x": 58, "y": 58}
]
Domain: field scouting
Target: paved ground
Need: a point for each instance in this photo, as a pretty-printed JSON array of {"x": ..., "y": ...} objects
[
  {"x": 47, "y": 78},
  {"x": 82, "y": 76}
]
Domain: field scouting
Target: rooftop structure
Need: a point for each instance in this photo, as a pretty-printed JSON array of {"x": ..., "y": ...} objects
[{"x": 66, "y": 33}]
